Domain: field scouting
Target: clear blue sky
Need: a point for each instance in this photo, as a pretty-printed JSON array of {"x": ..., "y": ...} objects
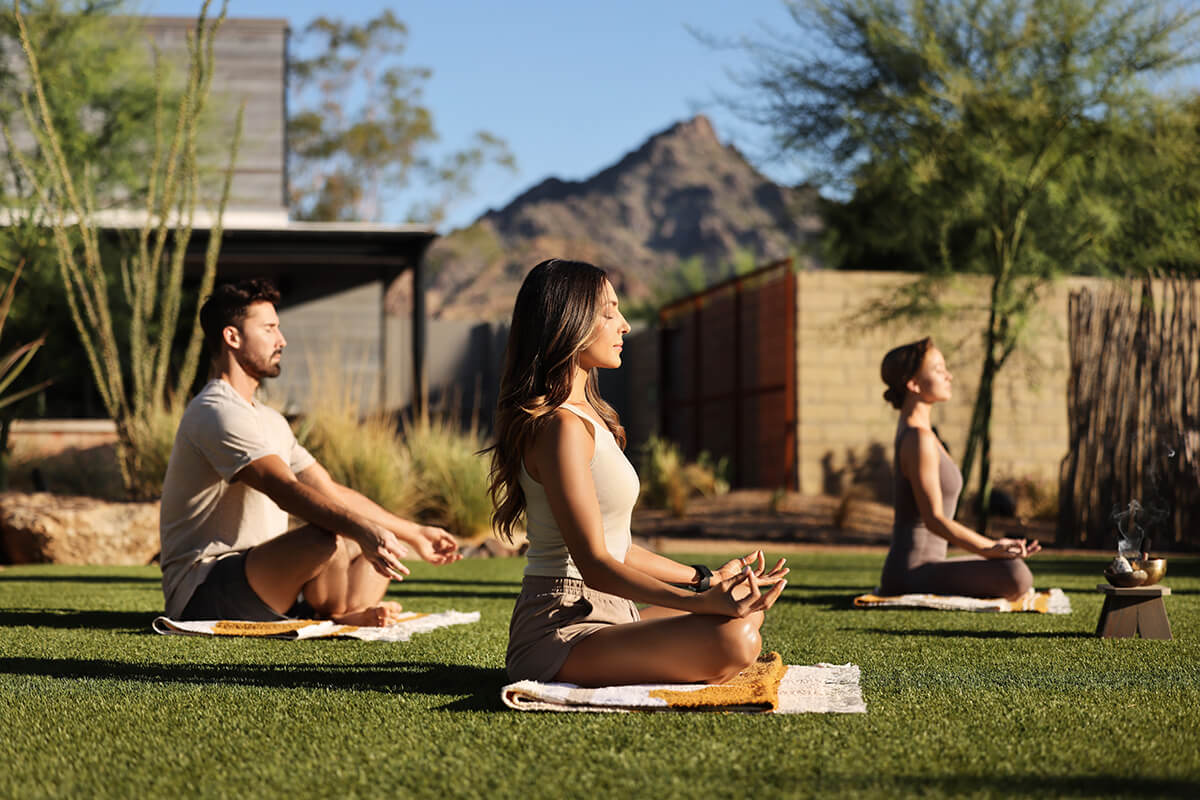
[{"x": 571, "y": 86}]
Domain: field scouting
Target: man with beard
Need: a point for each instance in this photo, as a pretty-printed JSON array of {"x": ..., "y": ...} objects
[{"x": 236, "y": 473}]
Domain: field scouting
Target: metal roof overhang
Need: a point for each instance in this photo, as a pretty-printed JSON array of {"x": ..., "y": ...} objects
[{"x": 309, "y": 260}]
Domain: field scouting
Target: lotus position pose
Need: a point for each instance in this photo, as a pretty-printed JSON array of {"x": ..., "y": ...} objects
[
  {"x": 558, "y": 460},
  {"x": 927, "y": 487},
  {"x": 236, "y": 472}
]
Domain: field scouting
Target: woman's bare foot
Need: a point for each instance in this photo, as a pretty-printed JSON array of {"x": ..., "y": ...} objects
[{"x": 386, "y": 613}]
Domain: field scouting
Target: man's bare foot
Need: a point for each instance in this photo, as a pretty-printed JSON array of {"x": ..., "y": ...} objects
[{"x": 386, "y": 613}]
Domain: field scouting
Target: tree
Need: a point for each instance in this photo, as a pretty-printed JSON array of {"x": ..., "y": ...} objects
[
  {"x": 133, "y": 373},
  {"x": 689, "y": 276},
  {"x": 1158, "y": 171},
  {"x": 101, "y": 92},
  {"x": 979, "y": 136},
  {"x": 361, "y": 131}
]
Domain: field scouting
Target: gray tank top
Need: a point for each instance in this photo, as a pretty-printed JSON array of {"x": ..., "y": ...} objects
[
  {"x": 617, "y": 489},
  {"x": 912, "y": 543}
]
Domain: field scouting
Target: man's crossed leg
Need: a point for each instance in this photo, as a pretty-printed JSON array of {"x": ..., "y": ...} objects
[{"x": 330, "y": 570}]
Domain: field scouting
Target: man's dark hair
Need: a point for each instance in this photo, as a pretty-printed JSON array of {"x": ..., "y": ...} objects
[{"x": 227, "y": 305}]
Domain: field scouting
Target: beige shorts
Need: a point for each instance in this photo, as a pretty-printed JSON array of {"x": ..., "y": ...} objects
[{"x": 551, "y": 616}]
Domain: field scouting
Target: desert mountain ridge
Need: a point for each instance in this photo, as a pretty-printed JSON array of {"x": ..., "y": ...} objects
[{"x": 681, "y": 194}]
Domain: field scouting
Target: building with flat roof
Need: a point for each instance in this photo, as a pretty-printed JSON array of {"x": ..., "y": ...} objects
[{"x": 332, "y": 276}]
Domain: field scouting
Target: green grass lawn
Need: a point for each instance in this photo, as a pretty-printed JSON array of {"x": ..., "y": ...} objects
[{"x": 94, "y": 704}]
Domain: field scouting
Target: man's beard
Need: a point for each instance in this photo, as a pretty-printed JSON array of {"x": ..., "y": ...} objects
[{"x": 260, "y": 369}]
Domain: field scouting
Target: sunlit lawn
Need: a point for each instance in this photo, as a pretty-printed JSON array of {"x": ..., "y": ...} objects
[{"x": 94, "y": 704}]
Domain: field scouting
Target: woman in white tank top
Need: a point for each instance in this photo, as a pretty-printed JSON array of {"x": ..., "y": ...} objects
[{"x": 558, "y": 461}]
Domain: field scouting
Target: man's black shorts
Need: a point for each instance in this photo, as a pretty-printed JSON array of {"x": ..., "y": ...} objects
[{"x": 226, "y": 594}]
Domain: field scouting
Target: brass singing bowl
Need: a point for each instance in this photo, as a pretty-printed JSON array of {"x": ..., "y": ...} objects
[
  {"x": 1125, "y": 580},
  {"x": 1155, "y": 569}
]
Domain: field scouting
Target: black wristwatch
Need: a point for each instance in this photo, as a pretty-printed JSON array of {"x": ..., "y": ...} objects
[{"x": 703, "y": 578}]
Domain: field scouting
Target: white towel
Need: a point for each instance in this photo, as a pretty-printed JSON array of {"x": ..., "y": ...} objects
[
  {"x": 409, "y": 623},
  {"x": 1050, "y": 601},
  {"x": 821, "y": 688}
]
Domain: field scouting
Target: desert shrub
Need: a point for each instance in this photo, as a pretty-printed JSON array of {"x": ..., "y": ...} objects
[
  {"x": 670, "y": 482},
  {"x": 362, "y": 452},
  {"x": 1034, "y": 498},
  {"x": 425, "y": 469},
  {"x": 449, "y": 474},
  {"x": 154, "y": 435}
]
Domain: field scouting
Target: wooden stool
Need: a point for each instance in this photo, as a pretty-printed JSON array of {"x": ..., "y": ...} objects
[{"x": 1133, "y": 611}]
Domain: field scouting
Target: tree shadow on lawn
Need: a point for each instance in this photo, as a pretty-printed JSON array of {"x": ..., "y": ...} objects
[
  {"x": 947, "y": 633},
  {"x": 6, "y": 577},
  {"x": 75, "y": 618},
  {"x": 832, "y": 602},
  {"x": 480, "y": 686},
  {"x": 1003, "y": 785},
  {"x": 400, "y": 593},
  {"x": 447, "y": 582},
  {"x": 1048, "y": 563}
]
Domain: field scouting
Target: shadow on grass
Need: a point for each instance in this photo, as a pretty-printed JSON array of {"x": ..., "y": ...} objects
[
  {"x": 480, "y": 686},
  {"x": 7, "y": 576},
  {"x": 75, "y": 618},
  {"x": 1180, "y": 566},
  {"x": 455, "y": 583},
  {"x": 946, "y": 633},
  {"x": 832, "y": 602},
  {"x": 1090, "y": 785},
  {"x": 400, "y": 593}
]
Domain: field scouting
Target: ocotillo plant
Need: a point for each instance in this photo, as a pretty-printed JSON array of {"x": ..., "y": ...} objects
[
  {"x": 13, "y": 362},
  {"x": 133, "y": 377}
]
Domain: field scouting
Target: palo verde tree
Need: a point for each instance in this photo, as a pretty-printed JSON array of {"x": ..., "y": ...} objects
[
  {"x": 101, "y": 92},
  {"x": 979, "y": 136},
  {"x": 361, "y": 131},
  {"x": 140, "y": 387}
]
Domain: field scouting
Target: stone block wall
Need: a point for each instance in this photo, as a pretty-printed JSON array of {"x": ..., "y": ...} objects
[{"x": 845, "y": 429}]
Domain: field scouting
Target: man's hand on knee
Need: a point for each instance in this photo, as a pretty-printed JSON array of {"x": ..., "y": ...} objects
[{"x": 383, "y": 549}]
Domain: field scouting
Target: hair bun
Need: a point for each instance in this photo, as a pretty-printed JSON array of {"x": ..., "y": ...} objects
[{"x": 899, "y": 366}]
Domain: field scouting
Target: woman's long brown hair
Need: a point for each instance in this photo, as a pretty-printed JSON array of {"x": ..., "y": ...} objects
[{"x": 554, "y": 319}]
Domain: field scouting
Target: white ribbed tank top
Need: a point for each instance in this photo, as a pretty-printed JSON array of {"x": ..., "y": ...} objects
[{"x": 617, "y": 489}]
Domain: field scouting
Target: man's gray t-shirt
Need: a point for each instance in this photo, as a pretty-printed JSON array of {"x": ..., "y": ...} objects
[{"x": 204, "y": 516}]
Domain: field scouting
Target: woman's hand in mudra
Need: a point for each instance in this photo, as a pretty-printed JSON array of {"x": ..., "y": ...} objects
[
  {"x": 741, "y": 595},
  {"x": 757, "y": 562},
  {"x": 1011, "y": 548}
]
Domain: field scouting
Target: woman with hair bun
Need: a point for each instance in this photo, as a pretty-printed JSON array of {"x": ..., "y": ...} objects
[
  {"x": 558, "y": 461},
  {"x": 927, "y": 488}
]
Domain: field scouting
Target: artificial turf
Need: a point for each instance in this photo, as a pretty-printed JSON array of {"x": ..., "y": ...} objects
[{"x": 92, "y": 704}]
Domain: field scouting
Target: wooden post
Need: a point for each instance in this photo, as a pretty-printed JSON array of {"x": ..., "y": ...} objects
[{"x": 418, "y": 338}]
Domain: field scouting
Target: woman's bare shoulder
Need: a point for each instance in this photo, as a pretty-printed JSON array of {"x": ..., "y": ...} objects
[
  {"x": 916, "y": 444},
  {"x": 563, "y": 430}
]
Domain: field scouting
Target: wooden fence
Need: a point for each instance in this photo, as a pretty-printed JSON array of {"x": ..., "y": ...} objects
[
  {"x": 728, "y": 375},
  {"x": 1133, "y": 404}
]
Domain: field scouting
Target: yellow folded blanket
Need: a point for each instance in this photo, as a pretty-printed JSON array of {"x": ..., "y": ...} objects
[
  {"x": 767, "y": 686},
  {"x": 757, "y": 686},
  {"x": 1050, "y": 601}
]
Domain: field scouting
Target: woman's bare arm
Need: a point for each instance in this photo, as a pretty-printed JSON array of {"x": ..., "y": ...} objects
[
  {"x": 660, "y": 567},
  {"x": 671, "y": 571},
  {"x": 561, "y": 455}
]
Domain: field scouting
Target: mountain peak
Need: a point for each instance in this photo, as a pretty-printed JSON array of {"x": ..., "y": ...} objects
[
  {"x": 680, "y": 194},
  {"x": 698, "y": 127}
]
